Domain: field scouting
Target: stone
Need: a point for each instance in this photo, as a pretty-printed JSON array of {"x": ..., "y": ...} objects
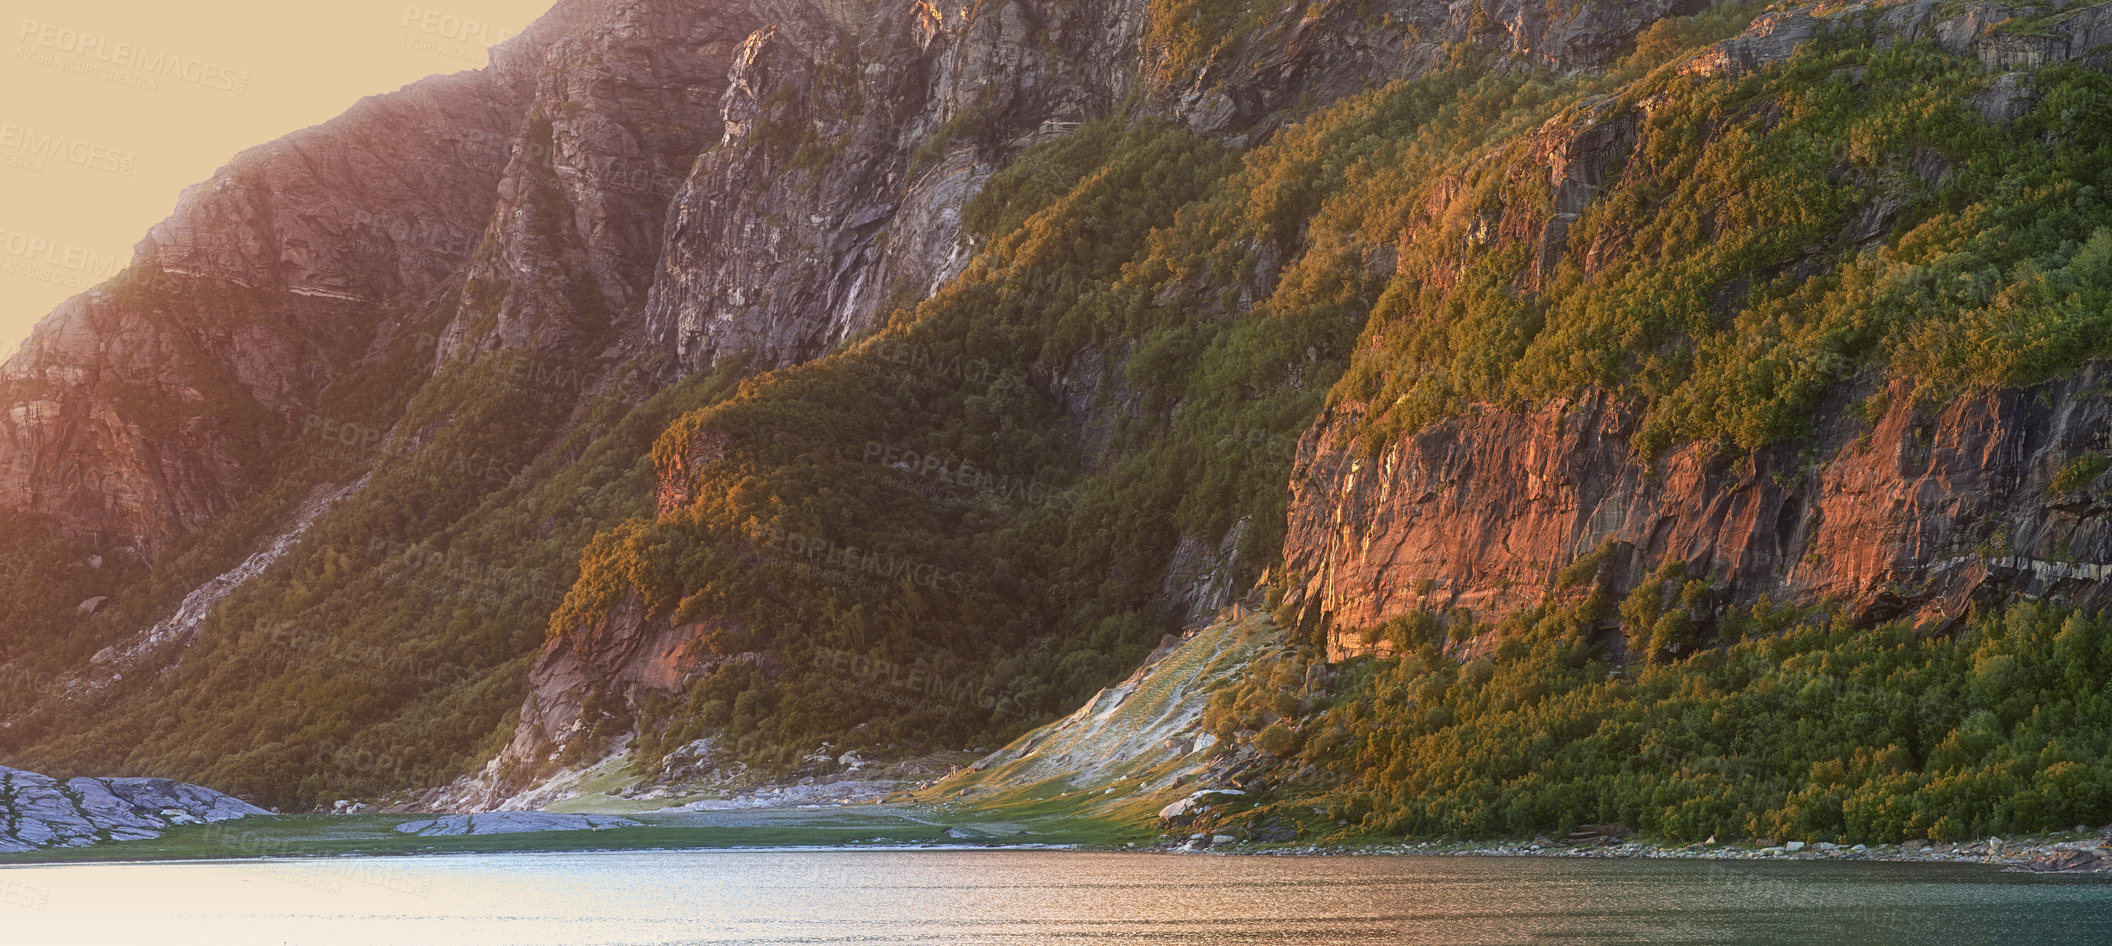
[
  {"x": 38, "y": 811},
  {"x": 1553, "y": 484},
  {"x": 1793, "y": 846},
  {"x": 511, "y": 822},
  {"x": 2067, "y": 862},
  {"x": 2007, "y": 98}
]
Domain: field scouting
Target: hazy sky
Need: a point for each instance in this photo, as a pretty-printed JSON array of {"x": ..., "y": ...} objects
[{"x": 112, "y": 107}]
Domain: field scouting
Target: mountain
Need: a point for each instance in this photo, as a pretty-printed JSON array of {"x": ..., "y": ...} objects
[{"x": 698, "y": 394}]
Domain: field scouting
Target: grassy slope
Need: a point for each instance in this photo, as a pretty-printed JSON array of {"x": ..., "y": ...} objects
[{"x": 1107, "y": 769}]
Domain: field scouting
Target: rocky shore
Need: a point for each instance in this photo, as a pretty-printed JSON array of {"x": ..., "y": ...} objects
[
  {"x": 37, "y": 811},
  {"x": 2081, "y": 851}
]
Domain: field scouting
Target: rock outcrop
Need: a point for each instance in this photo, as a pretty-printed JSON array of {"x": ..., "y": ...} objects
[
  {"x": 140, "y": 411},
  {"x": 616, "y": 118},
  {"x": 1138, "y": 745},
  {"x": 1917, "y": 516},
  {"x": 510, "y": 822},
  {"x": 853, "y": 135},
  {"x": 2001, "y": 37},
  {"x": 611, "y": 666},
  {"x": 38, "y": 812}
]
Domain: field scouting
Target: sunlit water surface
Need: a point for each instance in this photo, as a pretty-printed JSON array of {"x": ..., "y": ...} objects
[{"x": 1038, "y": 897}]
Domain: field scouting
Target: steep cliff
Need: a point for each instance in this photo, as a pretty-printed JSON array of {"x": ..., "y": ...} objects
[
  {"x": 1917, "y": 514},
  {"x": 145, "y": 408},
  {"x": 687, "y": 356},
  {"x": 1895, "y": 495}
]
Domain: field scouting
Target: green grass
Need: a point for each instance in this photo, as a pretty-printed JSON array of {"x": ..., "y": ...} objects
[{"x": 375, "y": 835}]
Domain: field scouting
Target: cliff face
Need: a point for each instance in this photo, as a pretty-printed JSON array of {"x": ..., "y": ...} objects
[
  {"x": 628, "y": 180},
  {"x": 143, "y": 409},
  {"x": 853, "y": 134},
  {"x": 618, "y": 112},
  {"x": 675, "y": 188},
  {"x": 1917, "y": 516},
  {"x": 1918, "y": 513},
  {"x": 1330, "y": 50}
]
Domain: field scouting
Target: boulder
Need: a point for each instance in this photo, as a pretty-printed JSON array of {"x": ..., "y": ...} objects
[
  {"x": 511, "y": 822},
  {"x": 2067, "y": 862},
  {"x": 37, "y": 811},
  {"x": 1587, "y": 835}
]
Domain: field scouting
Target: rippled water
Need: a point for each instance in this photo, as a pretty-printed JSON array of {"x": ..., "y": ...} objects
[{"x": 1039, "y": 897}]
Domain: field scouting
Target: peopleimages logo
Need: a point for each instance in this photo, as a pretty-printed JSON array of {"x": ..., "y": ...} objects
[
  {"x": 65, "y": 256},
  {"x": 966, "y": 476},
  {"x": 127, "y": 56},
  {"x": 44, "y": 144},
  {"x": 369, "y": 440},
  {"x": 880, "y": 568},
  {"x": 451, "y": 27}
]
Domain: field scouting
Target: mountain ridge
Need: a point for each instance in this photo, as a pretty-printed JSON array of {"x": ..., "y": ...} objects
[{"x": 1185, "y": 287}]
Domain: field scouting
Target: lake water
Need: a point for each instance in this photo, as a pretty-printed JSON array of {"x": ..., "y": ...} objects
[{"x": 1039, "y": 897}]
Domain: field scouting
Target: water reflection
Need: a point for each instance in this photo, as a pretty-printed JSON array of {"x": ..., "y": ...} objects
[{"x": 1031, "y": 897}]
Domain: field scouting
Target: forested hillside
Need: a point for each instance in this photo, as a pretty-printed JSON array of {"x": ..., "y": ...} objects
[{"x": 1687, "y": 418}]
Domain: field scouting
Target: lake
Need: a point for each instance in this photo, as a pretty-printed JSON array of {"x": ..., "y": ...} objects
[{"x": 1038, "y": 897}]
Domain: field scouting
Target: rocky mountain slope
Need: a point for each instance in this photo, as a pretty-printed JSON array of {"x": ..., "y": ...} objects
[
  {"x": 1893, "y": 505},
  {"x": 709, "y": 384}
]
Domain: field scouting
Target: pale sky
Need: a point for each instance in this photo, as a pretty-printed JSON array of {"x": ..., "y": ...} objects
[{"x": 112, "y": 107}]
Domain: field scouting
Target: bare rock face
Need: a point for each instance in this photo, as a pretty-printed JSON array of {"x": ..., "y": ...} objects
[
  {"x": 610, "y": 666},
  {"x": 621, "y": 106},
  {"x": 380, "y": 203},
  {"x": 141, "y": 410},
  {"x": 852, "y": 137},
  {"x": 1984, "y": 31},
  {"x": 37, "y": 811},
  {"x": 1917, "y": 517},
  {"x": 511, "y": 822},
  {"x": 1331, "y": 50}
]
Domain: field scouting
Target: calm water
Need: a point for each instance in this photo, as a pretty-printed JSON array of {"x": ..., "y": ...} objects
[{"x": 1033, "y": 897}]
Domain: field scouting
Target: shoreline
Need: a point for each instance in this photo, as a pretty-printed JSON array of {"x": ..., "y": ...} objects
[
  {"x": 2085, "y": 854},
  {"x": 2012, "y": 855}
]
